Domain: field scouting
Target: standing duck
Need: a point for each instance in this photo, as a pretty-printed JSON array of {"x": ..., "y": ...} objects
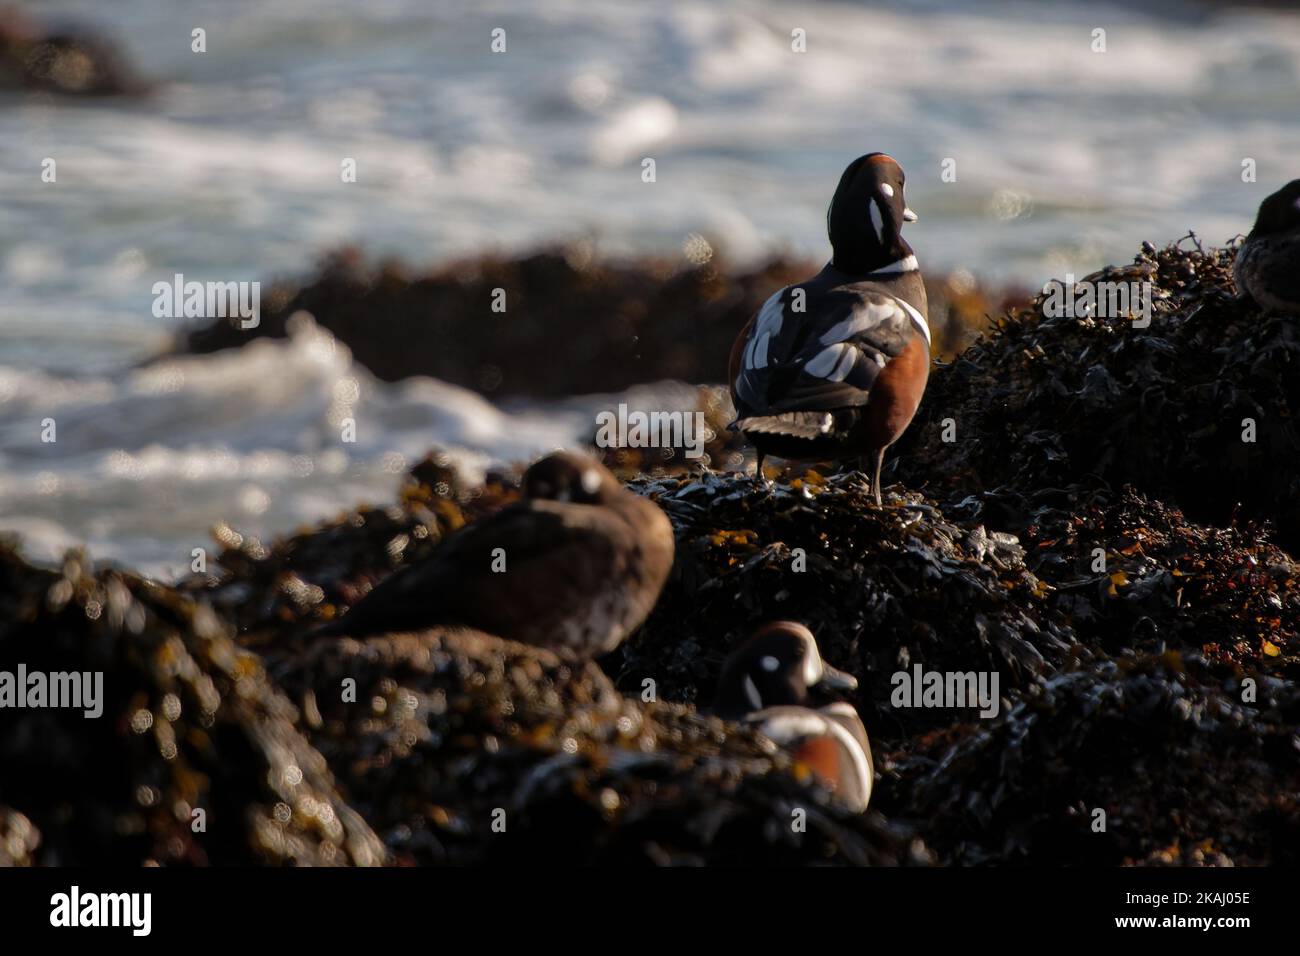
[
  {"x": 834, "y": 367},
  {"x": 574, "y": 567},
  {"x": 768, "y": 683}
]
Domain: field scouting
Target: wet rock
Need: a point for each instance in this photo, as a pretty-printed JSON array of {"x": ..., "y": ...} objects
[
  {"x": 882, "y": 589},
  {"x": 1142, "y": 631},
  {"x": 194, "y": 759},
  {"x": 463, "y": 748},
  {"x": 1197, "y": 410},
  {"x": 622, "y": 323},
  {"x": 1146, "y": 759},
  {"x": 64, "y": 60}
]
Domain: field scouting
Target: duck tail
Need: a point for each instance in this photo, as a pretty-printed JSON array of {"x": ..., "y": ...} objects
[{"x": 794, "y": 424}]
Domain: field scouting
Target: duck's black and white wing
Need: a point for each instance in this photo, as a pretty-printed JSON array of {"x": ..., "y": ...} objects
[{"x": 796, "y": 369}]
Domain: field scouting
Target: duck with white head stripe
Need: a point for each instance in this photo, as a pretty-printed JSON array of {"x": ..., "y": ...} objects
[
  {"x": 834, "y": 368},
  {"x": 772, "y": 682}
]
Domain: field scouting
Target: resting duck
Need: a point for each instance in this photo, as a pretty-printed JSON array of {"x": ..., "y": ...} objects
[
  {"x": 574, "y": 567},
  {"x": 768, "y": 683}
]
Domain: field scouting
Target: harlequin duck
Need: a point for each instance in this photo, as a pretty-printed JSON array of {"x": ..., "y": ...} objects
[
  {"x": 1268, "y": 263},
  {"x": 768, "y": 683},
  {"x": 834, "y": 367},
  {"x": 574, "y": 567}
]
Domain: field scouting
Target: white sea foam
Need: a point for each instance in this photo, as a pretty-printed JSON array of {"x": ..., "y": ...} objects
[{"x": 145, "y": 463}]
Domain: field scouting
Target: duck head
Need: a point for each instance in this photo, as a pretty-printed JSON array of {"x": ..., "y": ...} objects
[
  {"x": 779, "y": 665},
  {"x": 571, "y": 477},
  {"x": 866, "y": 216},
  {"x": 1280, "y": 212}
]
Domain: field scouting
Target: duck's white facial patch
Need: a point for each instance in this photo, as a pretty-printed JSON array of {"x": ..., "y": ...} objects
[
  {"x": 590, "y": 481},
  {"x": 751, "y": 693},
  {"x": 887, "y": 190},
  {"x": 769, "y": 664},
  {"x": 877, "y": 223},
  {"x": 812, "y": 666}
]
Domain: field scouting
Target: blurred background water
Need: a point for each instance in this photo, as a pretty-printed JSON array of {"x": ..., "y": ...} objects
[{"x": 1066, "y": 160}]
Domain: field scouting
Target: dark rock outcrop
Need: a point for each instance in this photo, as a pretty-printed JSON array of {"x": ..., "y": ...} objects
[
  {"x": 195, "y": 758},
  {"x": 1081, "y": 404},
  {"x": 620, "y": 323},
  {"x": 64, "y": 60},
  {"x": 1146, "y": 658}
]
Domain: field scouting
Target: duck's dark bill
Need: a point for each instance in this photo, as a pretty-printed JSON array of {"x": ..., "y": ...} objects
[{"x": 837, "y": 679}]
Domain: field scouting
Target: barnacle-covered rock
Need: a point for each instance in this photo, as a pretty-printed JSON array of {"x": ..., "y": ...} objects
[{"x": 194, "y": 757}]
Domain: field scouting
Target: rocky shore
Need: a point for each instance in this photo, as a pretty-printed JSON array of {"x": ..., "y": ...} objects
[
  {"x": 617, "y": 323},
  {"x": 1074, "y": 510}
]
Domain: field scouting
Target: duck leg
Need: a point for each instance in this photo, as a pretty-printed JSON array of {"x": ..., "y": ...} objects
[{"x": 875, "y": 484}]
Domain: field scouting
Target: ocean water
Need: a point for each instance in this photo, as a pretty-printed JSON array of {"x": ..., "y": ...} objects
[{"x": 1066, "y": 159}]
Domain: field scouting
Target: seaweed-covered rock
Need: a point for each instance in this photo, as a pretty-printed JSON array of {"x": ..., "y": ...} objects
[
  {"x": 1143, "y": 759},
  {"x": 622, "y": 323},
  {"x": 1146, "y": 688},
  {"x": 304, "y": 578},
  {"x": 1136, "y": 573},
  {"x": 1145, "y": 647},
  {"x": 1198, "y": 409},
  {"x": 194, "y": 758},
  {"x": 1070, "y": 613},
  {"x": 460, "y": 747},
  {"x": 882, "y": 589}
]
